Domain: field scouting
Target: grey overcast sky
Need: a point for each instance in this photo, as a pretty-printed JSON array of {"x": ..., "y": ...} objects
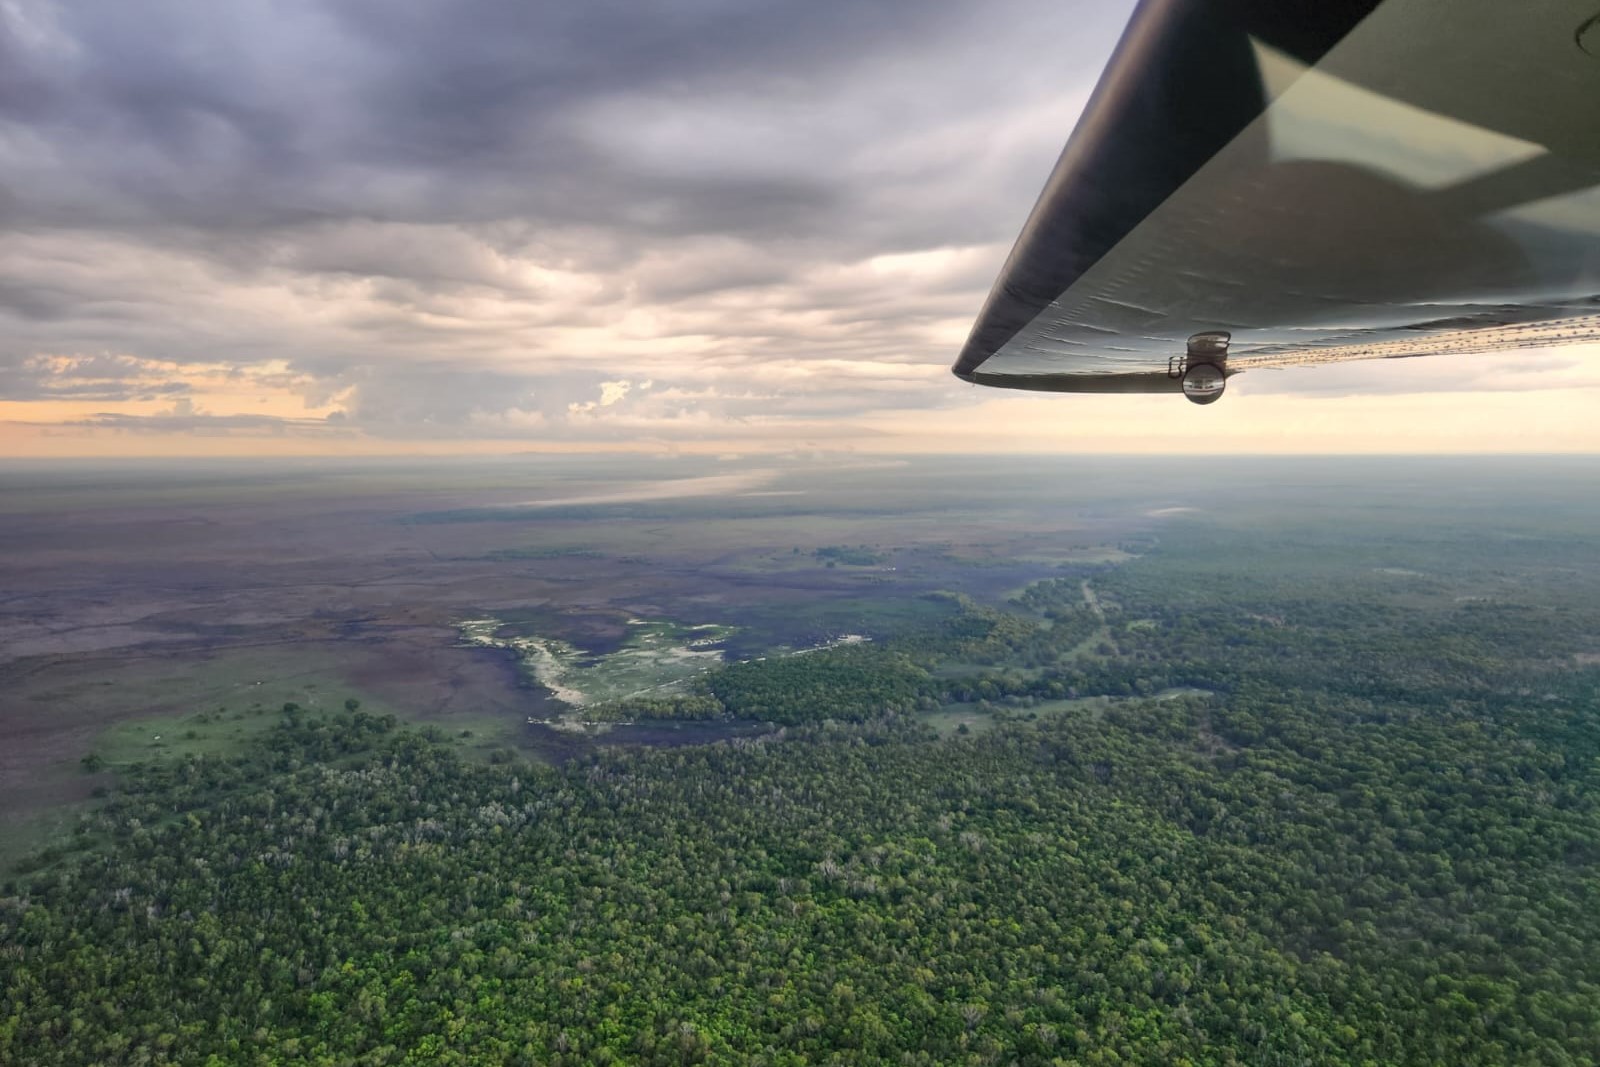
[{"x": 395, "y": 225}]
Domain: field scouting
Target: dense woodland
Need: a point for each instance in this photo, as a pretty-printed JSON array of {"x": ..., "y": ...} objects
[{"x": 1376, "y": 841}]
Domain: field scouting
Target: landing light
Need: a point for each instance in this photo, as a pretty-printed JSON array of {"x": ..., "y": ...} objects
[{"x": 1203, "y": 383}]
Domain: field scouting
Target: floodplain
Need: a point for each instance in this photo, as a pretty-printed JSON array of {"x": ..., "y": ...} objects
[
  {"x": 147, "y": 590},
  {"x": 928, "y": 760}
]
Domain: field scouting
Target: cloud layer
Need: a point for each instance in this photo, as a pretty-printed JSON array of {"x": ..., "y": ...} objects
[
  {"x": 501, "y": 220},
  {"x": 400, "y": 224}
]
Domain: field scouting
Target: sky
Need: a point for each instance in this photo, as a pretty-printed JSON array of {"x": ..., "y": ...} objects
[{"x": 404, "y": 226}]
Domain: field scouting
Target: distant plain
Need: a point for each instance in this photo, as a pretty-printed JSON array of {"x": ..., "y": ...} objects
[{"x": 138, "y": 596}]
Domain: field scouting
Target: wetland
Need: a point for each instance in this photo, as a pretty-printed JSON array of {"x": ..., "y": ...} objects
[{"x": 932, "y": 760}]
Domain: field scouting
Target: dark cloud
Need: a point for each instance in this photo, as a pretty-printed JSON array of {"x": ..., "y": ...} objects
[
  {"x": 39, "y": 303},
  {"x": 254, "y": 113},
  {"x": 464, "y": 218}
]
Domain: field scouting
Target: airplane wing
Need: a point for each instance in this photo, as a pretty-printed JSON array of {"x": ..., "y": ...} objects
[{"x": 1269, "y": 183}]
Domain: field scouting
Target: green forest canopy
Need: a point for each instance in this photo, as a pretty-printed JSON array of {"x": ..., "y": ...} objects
[{"x": 1378, "y": 842}]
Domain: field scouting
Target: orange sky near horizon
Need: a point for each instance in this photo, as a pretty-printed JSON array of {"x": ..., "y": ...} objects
[{"x": 1556, "y": 414}]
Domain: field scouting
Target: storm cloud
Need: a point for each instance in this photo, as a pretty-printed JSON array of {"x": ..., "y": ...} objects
[{"x": 416, "y": 220}]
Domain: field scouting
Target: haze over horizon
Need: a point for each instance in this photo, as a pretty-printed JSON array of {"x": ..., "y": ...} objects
[{"x": 353, "y": 229}]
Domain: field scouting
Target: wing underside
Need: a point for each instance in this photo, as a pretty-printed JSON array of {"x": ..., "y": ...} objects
[{"x": 1324, "y": 183}]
